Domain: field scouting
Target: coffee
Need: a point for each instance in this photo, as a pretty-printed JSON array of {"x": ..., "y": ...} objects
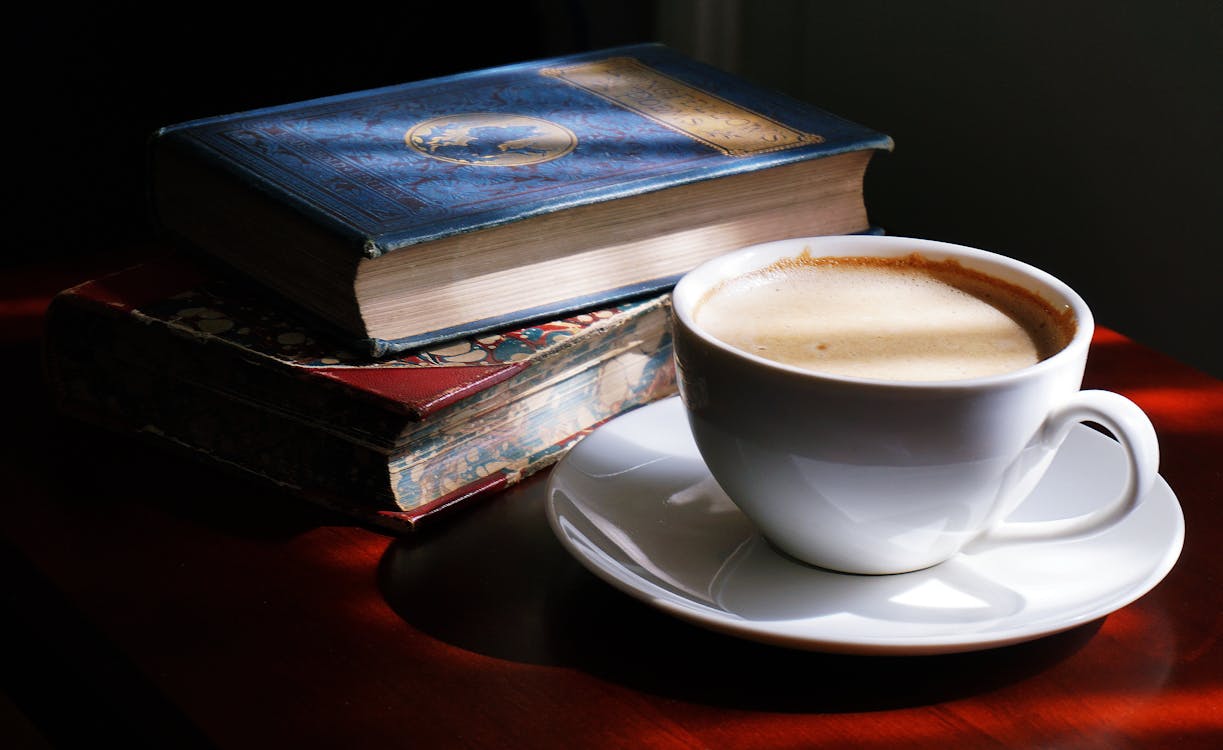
[
  {"x": 899, "y": 318},
  {"x": 906, "y": 466}
]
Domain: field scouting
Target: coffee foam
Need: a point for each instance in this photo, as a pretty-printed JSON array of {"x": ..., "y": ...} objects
[{"x": 906, "y": 319}]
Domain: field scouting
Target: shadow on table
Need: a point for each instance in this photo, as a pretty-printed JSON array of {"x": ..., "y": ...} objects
[{"x": 498, "y": 583}]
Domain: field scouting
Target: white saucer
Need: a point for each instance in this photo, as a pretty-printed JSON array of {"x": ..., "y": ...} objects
[{"x": 634, "y": 503}]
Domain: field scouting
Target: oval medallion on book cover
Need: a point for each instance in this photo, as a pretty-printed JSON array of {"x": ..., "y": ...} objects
[{"x": 491, "y": 139}]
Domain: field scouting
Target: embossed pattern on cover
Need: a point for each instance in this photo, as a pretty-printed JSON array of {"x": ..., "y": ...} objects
[{"x": 592, "y": 127}]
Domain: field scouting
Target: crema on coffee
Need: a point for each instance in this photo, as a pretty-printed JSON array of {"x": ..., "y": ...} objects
[{"x": 900, "y": 319}]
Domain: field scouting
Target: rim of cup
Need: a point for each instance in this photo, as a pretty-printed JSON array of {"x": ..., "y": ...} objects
[{"x": 693, "y": 285}]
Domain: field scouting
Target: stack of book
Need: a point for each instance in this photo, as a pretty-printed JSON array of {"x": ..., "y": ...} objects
[{"x": 397, "y": 300}]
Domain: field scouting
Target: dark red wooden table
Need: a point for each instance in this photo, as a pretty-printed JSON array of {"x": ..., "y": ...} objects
[{"x": 154, "y": 601}]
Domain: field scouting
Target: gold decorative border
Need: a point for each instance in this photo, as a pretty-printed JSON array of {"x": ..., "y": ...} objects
[{"x": 682, "y": 107}]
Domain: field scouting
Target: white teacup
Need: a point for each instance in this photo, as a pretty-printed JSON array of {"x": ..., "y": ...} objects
[{"x": 866, "y": 474}]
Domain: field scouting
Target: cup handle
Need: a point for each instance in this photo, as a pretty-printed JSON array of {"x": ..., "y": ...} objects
[{"x": 1132, "y": 429}]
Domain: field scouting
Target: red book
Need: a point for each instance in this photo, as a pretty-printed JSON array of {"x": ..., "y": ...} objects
[{"x": 202, "y": 363}]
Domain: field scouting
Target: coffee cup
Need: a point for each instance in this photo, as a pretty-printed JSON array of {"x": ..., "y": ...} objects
[{"x": 879, "y": 404}]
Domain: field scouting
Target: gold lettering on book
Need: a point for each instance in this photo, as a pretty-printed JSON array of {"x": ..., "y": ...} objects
[{"x": 705, "y": 117}]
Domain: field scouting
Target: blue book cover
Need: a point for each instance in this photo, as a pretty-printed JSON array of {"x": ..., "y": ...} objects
[{"x": 466, "y": 195}]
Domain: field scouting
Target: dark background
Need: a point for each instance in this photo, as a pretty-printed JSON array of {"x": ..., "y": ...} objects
[{"x": 1080, "y": 136}]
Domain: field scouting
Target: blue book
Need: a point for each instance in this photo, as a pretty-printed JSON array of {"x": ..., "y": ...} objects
[{"x": 409, "y": 215}]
